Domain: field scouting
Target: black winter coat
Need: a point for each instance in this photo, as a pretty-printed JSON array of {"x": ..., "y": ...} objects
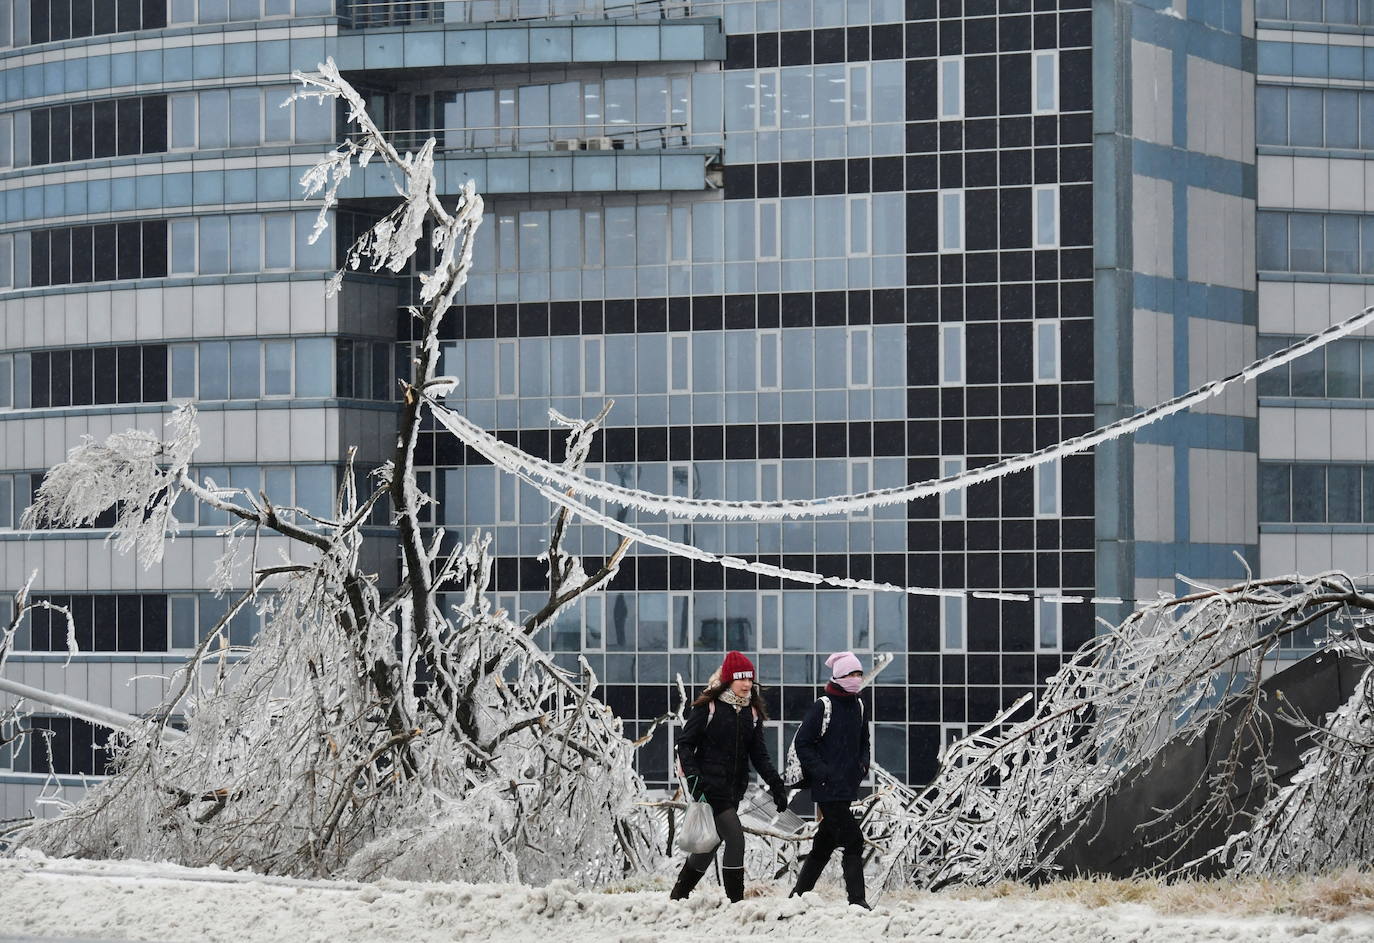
[
  {"x": 834, "y": 764},
  {"x": 716, "y": 748}
]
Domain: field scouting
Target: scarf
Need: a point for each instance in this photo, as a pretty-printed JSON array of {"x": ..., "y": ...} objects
[{"x": 734, "y": 700}]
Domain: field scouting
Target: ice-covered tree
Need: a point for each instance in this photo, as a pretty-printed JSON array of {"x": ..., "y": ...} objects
[{"x": 370, "y": 729}]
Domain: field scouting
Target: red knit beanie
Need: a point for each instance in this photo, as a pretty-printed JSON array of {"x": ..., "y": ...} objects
[{"x": 736, "y": 666}]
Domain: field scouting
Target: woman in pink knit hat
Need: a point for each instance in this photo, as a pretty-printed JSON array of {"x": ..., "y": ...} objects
[
  {"x": 832, "y": 745},
  {"x": 722, "y": 738}
]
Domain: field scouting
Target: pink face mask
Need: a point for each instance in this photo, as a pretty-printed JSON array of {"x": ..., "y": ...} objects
[{"x": 851, "y": 684}]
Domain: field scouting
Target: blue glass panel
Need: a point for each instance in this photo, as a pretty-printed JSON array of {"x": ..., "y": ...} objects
[
  {"x": 1347, "y": 62},
  {"x": 177, "y": 64},
  {"x": 123, "y": 69},
  {"x": 636, "y": 173},
  {"x": 208, "y": 187},
  {"x": 424, "y": 49},
  {"x": 208, "y": 62},
  {"x": 122, "y": 193},
  {"x": 149, "y": 192},
  {"x": 150, "y": 65},
  {"x": 176, "y": 189},
  {"x": 33, "y": 202},
  {"x": 594, "y": 43},
  {"x": 274, "y": 183},
  {"x": 76, "y": 75},
  {"x": 1309, "y": 60},
  {"x": 98, "y": 196},
  {"x": 593, "y": 173},
  {"x": 54, "y": 81},
  {"x": 508, "y": 45},
  {"x": 240, "y": 59},
  {"x": 1275, "y": 58},
  {"x": 240, "y": 186},
  {"x": 54, "y": 202},
  {"x": 636, "y": 43},
  {"x": 33, "y": 81},
  {"x": 307, "y": 54},
  {"x": 75, "y": 197},
  {"x": 274, "y": 57},
  {"x": 551, "y": 45}
]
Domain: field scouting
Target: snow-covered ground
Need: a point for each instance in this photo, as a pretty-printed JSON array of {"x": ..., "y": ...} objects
[{"x": 126, "y": 900}]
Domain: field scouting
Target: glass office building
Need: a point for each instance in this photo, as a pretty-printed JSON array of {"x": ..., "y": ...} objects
[{"x": 808, "y": 247}]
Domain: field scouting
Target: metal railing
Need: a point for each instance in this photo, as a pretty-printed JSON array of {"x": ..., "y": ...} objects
[
  {"x": 525, "y": 137},
  {"x": 365, "y": 14}
]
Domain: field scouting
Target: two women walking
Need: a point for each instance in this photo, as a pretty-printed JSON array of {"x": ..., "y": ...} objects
[{"x": 723, "y": 737}]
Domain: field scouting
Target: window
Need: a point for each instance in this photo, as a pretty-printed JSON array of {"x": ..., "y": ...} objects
[
  {"x": 770, "y": 621},
  {"x": 679, "y": 363},
  {"x": 1046, "y": 351},
  {"x": 91, "y": 376},
  {"x": 1047, "y": 485},
  {"x": 104, "y": 252},
  {"x": 769, "y": 366},
  {"x": 1048, "y": 624},
  {"x": 766, "y": 229},
  {"x": 858, "y": 209},
  {"x": 951, "y": 354},
  {"x": 950, "y": 734},
  {"x": 1045, "y": 82},
  {"x": 767, "y": 99},
  {"x": 857, "y": 85},
  {"x": 951, "y": 221},
  {"x": 1046, "y": 202},
  {"x": 680, "y": 629},
  {"x": 769, "y": 474},
  {"x": 952, "y": 501},
  {"x": 861, "y": 482},
  {"x": 953, "y": 624},
  {"x": 591, "y": 365},
  {"x": 74, "y": 19},
  {"x": 506, "y": 380},
  {"x": 860, "y": 349},
  {"x": 951, "y": 88}
]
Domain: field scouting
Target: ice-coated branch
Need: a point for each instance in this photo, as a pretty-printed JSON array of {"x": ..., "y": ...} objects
[{"x": 518, "y": 461}]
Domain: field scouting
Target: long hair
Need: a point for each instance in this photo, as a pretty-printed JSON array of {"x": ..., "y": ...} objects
[{"x": 717, "y": 684}]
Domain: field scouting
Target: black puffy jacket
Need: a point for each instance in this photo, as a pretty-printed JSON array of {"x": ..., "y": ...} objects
[
  {"x": 834, "y": 764},
  {"x": 715, "y": 749}
]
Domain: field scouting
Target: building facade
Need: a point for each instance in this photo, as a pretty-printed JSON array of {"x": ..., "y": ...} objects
[{"x": 806, "y": 247}]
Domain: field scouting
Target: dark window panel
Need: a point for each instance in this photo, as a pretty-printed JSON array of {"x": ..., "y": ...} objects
[
  {"x": 105, "y": 375},
  {"x": 155, "y": 373},
  {"x": 154, "y": 14},
  {"x": 38, "y": 21},
  {"x": 83, "y": 742},
  {"x": 59, "y": 20},
  {"x": 39, "y": 150},
  {"x": 81, "y": 18},
  {"x": 129, "y": 623},
  {"x": 38, "y": 258},
  {"x": 83, "y": 614},
  {"x": 130, "y": 380},
  {"x": 128, "y": 250},
  {"x": 83, "y": 118},
  {"x": 60, "y": 256},
  {"x": 83, "y": 254},
  {"x": 104, "y": 249},
  {"x": 155, "y": 623},
  {"x": 83, "y": 377},
  {"x": 39, "y": 383},
  {"x": 104, "y": 129},
  {"x": 104, "y": 17},
  {"x": 61, "y": 379},
  {"x": 154, "y": 124},
  {"x": 127, "y": 15},
  {"x": 60, "y": 135},
  {"x": 154, "y": 249},
  {"x": 106, "y": 620},
  {"x": 128, "y": 126}
]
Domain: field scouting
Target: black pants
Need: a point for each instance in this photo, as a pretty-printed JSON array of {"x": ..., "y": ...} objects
[
  {"x": 838, "y": 829},
  {"x": 731, "y": 835}
]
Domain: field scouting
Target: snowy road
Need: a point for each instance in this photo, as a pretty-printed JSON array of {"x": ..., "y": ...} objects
[{"x": 87, "y": 901}]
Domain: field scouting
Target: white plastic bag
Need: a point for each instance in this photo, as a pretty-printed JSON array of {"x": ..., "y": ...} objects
[{"x": 698, "y": 833}]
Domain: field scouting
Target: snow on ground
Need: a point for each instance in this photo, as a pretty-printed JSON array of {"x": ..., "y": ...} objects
[{"x": 126, "y": 900}]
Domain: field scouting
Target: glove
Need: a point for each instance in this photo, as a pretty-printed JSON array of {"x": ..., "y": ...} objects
[{"x": 780, "y": 796}]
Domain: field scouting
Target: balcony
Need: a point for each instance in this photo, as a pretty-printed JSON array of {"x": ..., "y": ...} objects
[{"x": 374, "y": 14}]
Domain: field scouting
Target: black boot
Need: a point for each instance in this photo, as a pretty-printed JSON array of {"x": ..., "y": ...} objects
[
  {"x": 686, "y": 880},
  {"x": 810, "y": 873},
  {"x": 853, "y": 865},
  {"x": 733, "y": 879}
]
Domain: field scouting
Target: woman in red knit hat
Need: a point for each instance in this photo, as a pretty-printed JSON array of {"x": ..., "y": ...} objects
[{"x": 722, "y": 737}]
